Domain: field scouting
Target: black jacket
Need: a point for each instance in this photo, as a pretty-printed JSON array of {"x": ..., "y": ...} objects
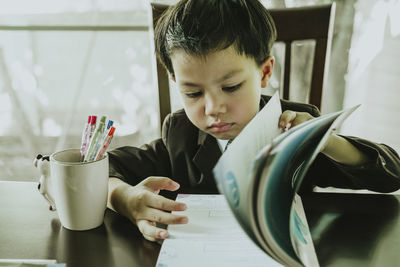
[{"x": 188, "y": 155}]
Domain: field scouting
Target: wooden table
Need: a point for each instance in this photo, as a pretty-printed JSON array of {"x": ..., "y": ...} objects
[
  {"x": 28, "y": 230},
  {"x": 348, "y": 230}
]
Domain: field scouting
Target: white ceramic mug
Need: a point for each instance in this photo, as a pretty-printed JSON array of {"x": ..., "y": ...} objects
[{"x": 79, "y": 189}]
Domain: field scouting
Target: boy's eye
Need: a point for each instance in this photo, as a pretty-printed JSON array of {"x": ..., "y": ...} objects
[
  {"x": 193, "y": 95},
  {"x": 232, "y": 88}
]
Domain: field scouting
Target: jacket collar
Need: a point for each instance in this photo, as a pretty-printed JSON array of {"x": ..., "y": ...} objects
[{"x": 208, "y": 153}]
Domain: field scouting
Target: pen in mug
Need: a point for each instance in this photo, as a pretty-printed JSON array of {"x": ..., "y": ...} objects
[
  {"x": 84, "y": 136},
  {"x": 109, "y": 124},
  {"x": 92, "y": 128},
  {"x": 96, "y": 136},
  {"x": 100, "y": 142},
  {"x": 106, "y": 143}
]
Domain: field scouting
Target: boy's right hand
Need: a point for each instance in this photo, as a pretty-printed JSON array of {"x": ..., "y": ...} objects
[{"x": 145, "y": 207}]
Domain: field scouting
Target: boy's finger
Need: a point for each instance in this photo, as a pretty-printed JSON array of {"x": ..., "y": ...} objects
[
  {"x": 287, "y": 117},
  {"x": 151, "y": 232},
  {"x": 161, "y": 183},
  {"x": 163, "y": 203},
  {"x": 155, "y": 215},
  {"x": 301, "y": 118}
]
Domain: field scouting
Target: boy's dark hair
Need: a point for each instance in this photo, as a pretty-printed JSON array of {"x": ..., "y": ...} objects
[{"x": 203, "y": 26}]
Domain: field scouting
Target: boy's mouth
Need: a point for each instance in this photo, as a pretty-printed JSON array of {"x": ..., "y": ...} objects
[{"x": 220, "y": 127}]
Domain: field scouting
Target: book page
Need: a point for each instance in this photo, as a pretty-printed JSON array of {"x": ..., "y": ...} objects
[
  {"x": 211, "y": 238},
  {"x": 232, "y": 171},
  {"x": 300, "y": 232},
  {"x": 282, "y": 172}
]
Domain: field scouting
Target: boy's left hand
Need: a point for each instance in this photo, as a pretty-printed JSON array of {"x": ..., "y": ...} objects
[
  {"x": 291, "y": 118},
  {"x": 336, "y": 147}
]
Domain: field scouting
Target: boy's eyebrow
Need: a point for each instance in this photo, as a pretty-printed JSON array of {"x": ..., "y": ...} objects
[
  {"x": 229, "y": 75},
  {"x": 219, "y": 80},
  {"x": 190, "y": 84}
]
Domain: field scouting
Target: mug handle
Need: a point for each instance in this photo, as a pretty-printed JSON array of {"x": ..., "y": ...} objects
[{"x": 42, "y": 163}]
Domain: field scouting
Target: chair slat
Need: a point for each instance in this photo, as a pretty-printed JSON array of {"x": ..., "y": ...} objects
[
  {"x": 164, "y": 97},
  {"x": 286, "y": 70},
  {"x": 317, "y": 78}
]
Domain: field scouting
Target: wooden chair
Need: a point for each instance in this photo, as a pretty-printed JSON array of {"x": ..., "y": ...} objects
[{"x": 292, "y": 24}]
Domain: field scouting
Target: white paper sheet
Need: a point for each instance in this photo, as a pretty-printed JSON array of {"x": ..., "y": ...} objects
[
  {"x": 212, "y": 237},
  {"x": 28, "y": 261},
  {"x": 318, "y": 189}
]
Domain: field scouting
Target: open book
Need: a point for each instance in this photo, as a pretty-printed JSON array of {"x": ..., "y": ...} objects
[{"x": 260, "y": 174}]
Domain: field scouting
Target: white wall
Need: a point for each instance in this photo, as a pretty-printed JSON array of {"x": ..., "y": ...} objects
[
  {"x": 373, "y": 78},
  {"x": 50, "y": 81}
]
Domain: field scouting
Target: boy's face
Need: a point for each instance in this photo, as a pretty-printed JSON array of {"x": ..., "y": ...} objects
[{"x": 221, "y": 92}]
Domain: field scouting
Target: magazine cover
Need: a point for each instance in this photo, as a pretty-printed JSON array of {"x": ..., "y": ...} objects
[{"x": 260, "y": 173}]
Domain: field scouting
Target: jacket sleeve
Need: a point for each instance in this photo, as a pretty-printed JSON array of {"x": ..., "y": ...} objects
[
  {"x": 381, "y": 173},
  {"x": 133, "y": 164}
]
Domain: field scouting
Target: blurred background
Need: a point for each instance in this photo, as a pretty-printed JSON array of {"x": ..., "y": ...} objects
[{"x": 63, "y": 60}]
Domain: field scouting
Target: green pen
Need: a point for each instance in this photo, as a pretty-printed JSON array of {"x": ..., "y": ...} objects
[{"x": 98, "y": 133}]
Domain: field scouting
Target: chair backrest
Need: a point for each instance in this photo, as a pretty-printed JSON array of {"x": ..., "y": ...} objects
[{"x": 292, "y": 24}]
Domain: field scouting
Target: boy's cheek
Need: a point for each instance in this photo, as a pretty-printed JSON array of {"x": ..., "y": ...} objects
[{"x": 197, "y": 119}]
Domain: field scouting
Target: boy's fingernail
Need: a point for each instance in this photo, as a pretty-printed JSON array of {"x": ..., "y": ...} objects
[
  {"x": 183, "y": 206},
  {"x": 163, "y": 234},
  {"x": 184, "y": 220}
]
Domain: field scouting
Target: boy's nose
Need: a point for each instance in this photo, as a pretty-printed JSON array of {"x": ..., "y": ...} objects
[{"x": 214, "y": 105}]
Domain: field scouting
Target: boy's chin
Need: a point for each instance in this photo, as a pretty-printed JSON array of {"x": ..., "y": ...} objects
[{"x": 224, "y": 136}]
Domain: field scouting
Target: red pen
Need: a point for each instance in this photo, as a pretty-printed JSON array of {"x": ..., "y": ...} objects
[
  {"x": 85, "y": 136},
  {"x": 106, "y": 143},
  {"x": 91, "y": 129}
]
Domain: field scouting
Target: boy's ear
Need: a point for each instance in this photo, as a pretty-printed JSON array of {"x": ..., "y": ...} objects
[{"x": 266, "y": 68}]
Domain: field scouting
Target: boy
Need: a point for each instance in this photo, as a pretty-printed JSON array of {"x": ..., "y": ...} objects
[{"x": 217, "y": 52}]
